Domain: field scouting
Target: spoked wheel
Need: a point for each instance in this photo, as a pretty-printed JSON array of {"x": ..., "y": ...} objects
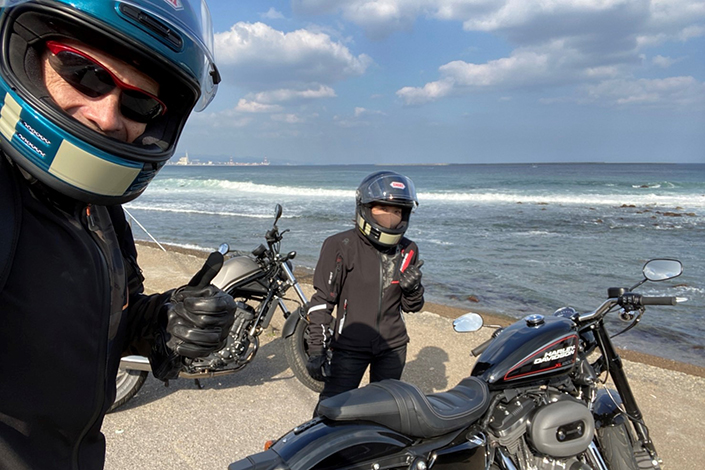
[
  {"x": 128, "y": 383},
  {"x": 296, "y": 352}
]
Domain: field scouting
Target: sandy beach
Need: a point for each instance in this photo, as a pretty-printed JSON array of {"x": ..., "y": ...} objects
[{"x": 185, "y": 427}]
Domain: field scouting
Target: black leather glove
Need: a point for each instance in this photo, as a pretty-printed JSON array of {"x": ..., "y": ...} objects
[
  {"x": 316, "y": 365},
  {"x": 410, "y": 279},
  {"x": 199, "y": 320},
  {"x": 199, "y": 315}
]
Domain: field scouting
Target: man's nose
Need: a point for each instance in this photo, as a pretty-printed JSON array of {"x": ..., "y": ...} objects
[{"x": 104, "y": 114}]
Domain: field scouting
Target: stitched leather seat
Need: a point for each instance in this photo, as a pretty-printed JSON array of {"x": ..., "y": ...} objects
[{"x": 402, "y": 407}]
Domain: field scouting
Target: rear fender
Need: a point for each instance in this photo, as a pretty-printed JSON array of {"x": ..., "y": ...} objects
[
  {"x": 324, "y": 444},
  {"x": 321, "y": 444},
  {"x": 267, "y": 460}
]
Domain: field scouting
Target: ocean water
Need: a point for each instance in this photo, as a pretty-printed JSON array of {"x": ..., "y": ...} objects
[{"x": 512, "y": 239}]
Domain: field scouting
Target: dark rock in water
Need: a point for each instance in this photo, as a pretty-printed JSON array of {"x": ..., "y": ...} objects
[
  {"x": 671, "y": 214},
  {"x": 599, "y": 221},
  {"x": 473, "y": 298},
  {"x": 627, "y": 205}
]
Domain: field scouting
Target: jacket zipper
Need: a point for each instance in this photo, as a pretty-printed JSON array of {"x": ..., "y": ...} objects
[
  {"x": 342, "y": 320},
  {"x": 92, "y": 227},
  {"x": 381, "y": 290}
]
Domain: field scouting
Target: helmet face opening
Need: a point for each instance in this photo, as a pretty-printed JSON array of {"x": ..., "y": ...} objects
[
  {"x": 384, "y": 188},
  {"x": 57, "y": 149}
]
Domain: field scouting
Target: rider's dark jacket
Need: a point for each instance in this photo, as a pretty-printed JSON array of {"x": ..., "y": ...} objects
[
  {"x": 362, "y": 282},
  {"x": 71, "y": 304}
]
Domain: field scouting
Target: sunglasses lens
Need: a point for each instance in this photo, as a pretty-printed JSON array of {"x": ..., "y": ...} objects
[
  {"x": 91, "y": 79},
  {"x": 82, "y": 74},
  {"x": 139, "y": 106}
]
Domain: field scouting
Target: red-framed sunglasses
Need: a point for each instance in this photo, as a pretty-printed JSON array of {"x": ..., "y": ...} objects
[{"x": 93, "y": 79}]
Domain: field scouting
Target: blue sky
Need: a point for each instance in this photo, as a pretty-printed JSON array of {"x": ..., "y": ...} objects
[{"x": 455, "y": 81}]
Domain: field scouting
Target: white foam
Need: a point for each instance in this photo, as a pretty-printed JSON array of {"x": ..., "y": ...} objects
[{"x": 181, "y": 210}]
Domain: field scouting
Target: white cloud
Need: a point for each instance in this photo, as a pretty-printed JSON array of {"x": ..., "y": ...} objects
[
  {"x": 663, "y": 62},
  {"x": 284, "y": 95},
  {"x": 525, "y": 68},
  {"x": 257, "y": 56},
  {"x": 273, "y": 14},
  {"x": 367, "y": 112},
  {"x": 245, "y": 106},
  {"x": 287, "y": 118},
  {"x": 675, "y": 92},
  {"x": 564, "y": 42}
]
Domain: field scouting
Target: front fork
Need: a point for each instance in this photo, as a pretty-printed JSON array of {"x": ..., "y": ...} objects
[{"x": 616, "y": 370}]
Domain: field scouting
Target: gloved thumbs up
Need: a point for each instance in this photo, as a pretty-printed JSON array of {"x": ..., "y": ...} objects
[
  {"x": 199, "y": 315},
  {"x": 410, "y": 279}
]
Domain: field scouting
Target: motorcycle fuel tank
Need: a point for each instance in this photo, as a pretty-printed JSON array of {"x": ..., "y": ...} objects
[
  {"x": 531, "y": 349},
  {"x": 239, "y": 270}
]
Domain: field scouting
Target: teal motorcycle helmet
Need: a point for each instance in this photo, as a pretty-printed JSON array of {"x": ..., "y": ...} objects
[{"x": 170, "y": 41}]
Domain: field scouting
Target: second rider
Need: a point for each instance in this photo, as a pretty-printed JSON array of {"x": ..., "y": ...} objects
[{"x": 371, "y": 275}]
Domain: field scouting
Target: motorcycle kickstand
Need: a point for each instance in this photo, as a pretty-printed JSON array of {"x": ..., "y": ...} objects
[{"x": 198, "y": 384}]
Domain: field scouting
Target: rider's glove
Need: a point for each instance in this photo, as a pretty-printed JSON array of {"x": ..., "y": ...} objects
[
  {"x": 410, "y": 279},
  {"x": 198, "y": 320},
  {"x": 317, "y": 365}
]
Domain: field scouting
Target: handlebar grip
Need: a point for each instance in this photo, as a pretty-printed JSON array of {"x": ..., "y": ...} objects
[
  {"x": 481, "y": 348},
  {"x": 659, "y": 301}
]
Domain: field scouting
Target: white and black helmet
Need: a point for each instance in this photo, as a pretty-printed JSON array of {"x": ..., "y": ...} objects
[{"x": 389, "y": 188}]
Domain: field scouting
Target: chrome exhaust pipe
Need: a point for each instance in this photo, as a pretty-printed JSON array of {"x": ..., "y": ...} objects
[
  {"x": 135, "y": 363},
  {"x": 142, "y": 363}
]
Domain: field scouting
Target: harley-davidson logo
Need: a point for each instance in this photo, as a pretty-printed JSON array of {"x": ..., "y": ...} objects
[{"x": 555, "y": 354}]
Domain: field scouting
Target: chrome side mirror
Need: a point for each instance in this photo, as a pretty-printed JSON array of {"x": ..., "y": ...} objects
[
  {"x": 662, "y": 269},
  {"x": 224, "y": 249},
  {"x": 467, "y": 323}
]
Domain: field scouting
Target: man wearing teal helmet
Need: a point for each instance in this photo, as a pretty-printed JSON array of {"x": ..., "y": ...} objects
[{"x": 93, "y": 98}]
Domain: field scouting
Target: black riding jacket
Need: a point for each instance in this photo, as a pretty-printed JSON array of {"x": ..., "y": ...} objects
[
  {"x": 362, "y": 282},
  {"x": 71, "y": 304}
]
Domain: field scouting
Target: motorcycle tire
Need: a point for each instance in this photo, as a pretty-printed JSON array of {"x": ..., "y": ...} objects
[
  {"x": 128, "y": 383},
  {"x": 296, "y": 353},
  {"x": 617, "y": 448}
]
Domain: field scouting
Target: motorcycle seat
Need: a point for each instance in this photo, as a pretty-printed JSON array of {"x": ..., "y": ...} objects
[{"x": 404, "y": 408}]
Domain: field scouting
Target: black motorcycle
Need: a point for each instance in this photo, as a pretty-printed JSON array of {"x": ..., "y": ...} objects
[
  {"x": 258, "y": 282},
  {"x": 535, "y": 400}
]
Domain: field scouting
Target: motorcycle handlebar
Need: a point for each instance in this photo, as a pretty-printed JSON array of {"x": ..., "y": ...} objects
[
  {"x": 481, "y": 348},
  {"x": 658, "y": 301}
]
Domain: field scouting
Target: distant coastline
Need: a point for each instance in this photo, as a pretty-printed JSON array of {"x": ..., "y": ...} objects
[
  {"x": 265, "y": 162},
  {"x": 186, "y": 161}
]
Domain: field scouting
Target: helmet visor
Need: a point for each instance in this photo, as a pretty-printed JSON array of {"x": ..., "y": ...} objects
[
  {"x": 391, "y": 189},
  {"x": 193, "y": 18}
]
